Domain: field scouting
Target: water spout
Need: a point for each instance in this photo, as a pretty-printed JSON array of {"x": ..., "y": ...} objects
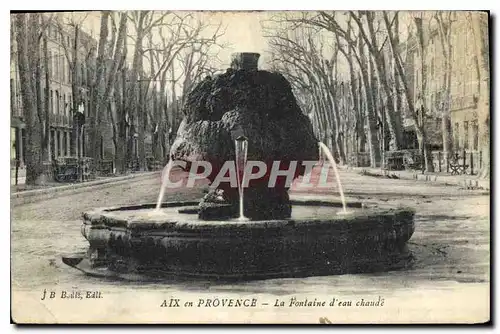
[
  {"x": 164, "y": 181},
  {"x": 241, "y": 144},
  {"x": 329, "y": 156}
]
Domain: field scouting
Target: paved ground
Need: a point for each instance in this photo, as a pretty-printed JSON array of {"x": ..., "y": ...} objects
[{"x": 449, "y": 280}]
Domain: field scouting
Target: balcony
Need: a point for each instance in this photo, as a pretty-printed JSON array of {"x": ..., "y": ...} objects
[{"x": 463, "y": 102}]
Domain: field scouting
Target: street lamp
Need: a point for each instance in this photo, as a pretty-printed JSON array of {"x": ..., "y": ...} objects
[
  {"x": 136, "y": 135},
  {"x": 81, "y": 108}
]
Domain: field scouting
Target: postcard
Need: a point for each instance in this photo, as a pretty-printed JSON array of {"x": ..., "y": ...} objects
[{"x": 265, "y": 167}]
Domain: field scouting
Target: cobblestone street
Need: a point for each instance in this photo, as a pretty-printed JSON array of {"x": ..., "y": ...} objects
[{"x": 450, "y": 244}]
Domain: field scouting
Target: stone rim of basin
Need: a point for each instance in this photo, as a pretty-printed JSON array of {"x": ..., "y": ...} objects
[{"x": 362, "y": 219}]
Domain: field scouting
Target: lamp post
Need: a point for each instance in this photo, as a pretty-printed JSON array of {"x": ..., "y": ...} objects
[
  {"x": 79, "y": 139},
  {"x": 82, "y": 129},
  {"x": 136, "y": 135},
  {"x": 81, "y": 110},
  {"x": 136, "y": 149}
]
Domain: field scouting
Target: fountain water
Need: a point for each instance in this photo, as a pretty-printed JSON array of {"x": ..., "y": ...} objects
[
  {"x": 329, "y": 156},
  {"x": 164, "y": 181},
  {"x": 241, "y": 148}
]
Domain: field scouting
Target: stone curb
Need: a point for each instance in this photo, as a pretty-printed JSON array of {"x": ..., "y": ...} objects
[
  {"x": 30, "y": 196},
  {"x": 463, "y": 181}
]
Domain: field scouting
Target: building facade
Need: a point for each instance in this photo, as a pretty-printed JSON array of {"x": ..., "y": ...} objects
[
  {"x": 63, "y": 141},
  {"x": 464, "y": 84}
]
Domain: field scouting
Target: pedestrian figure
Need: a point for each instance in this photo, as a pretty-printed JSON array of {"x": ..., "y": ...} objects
[{"x": 18, "y": 163}]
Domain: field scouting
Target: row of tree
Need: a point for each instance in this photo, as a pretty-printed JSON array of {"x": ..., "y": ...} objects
[
  {"x": 349, "y": 71},
  {"x": 129, "y": 86}
]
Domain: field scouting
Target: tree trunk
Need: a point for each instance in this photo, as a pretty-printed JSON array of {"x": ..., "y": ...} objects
[
  {"x": 424, "y": 148},
  {"x": 362, "y": 134},
  {"x": 480, "y": 26},
  {"x": 446, "y": 105},
  {"x": 444, "y": 31},
  {"x": 157, "y": 121},
  {"x": 74, "y": 91},
  {"x": 421, "y": 117},
  {"x": 46, "y": 102},
  {"x": 33, "y": 159},
  {"x": 98, "y": 87},
  {"x": 355, "y": 90},
  {"x": 373, "y": 141},
  {"x": 136, "y": 105},
  {"x": 122, "y": 157},
  {"x": 339, "y": 134},
  {"x": 110, "y": 82},
  {"x": 393, "y": 116},
  {"x": 163, "y": 117},
  {"x": 141, "y": 123}
]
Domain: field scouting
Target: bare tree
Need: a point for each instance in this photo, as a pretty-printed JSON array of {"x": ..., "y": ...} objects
[
  {"x": 479, "y": 23},
  {"x": 376, "y": 47},
  {"x": 29, "y": 36},
  {"x": 196, "y": 57},
  {"x": 26, "y": 31},
  {"x": 353, "y": 50},
  {"x": 444, "y": 21},
  {"x": 116, "y": 65},
  {"x": 144, "y": 22},
  {"x": 97, "y": 90}
]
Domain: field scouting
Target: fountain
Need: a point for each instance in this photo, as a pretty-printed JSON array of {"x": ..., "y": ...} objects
[
  {"x": 241, "y": 160},
  {"x": 252, "y": 230}
]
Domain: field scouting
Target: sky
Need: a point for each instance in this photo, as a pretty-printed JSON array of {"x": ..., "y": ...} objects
[{"x": 243, "y": 31}]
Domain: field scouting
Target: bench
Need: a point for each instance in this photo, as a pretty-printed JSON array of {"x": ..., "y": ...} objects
[{"x": 457, "y": 169}]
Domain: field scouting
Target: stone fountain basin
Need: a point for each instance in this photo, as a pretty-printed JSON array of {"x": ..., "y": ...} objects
[{"x": 316, "y": 240}]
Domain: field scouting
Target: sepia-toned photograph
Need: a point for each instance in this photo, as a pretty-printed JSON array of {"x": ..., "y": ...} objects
[{"x": 250, "y": 167}]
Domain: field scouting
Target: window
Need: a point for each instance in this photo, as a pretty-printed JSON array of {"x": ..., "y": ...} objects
[
  {"x": 50, "y": 64},
  {"x": 56, "y": 57},
  {"x": 64, "y": 104},
  {"x": 82, "y": 75},
  {"x": 466, "y": 135},
  {"x": 65, "y": 143},
  {"x": 52, "y": 145},
  {"x": 475, "y": 135},
  {"x": 57, "y": 102},
  {"x": 63, "y": 70},
  {"x": 52, "y": 100},
  {"x": 69, "y": 73},
  {"x": 456, "y": 136},
  {"x": 12, "y": 96},
  {"x": 54, "y": 66}
]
